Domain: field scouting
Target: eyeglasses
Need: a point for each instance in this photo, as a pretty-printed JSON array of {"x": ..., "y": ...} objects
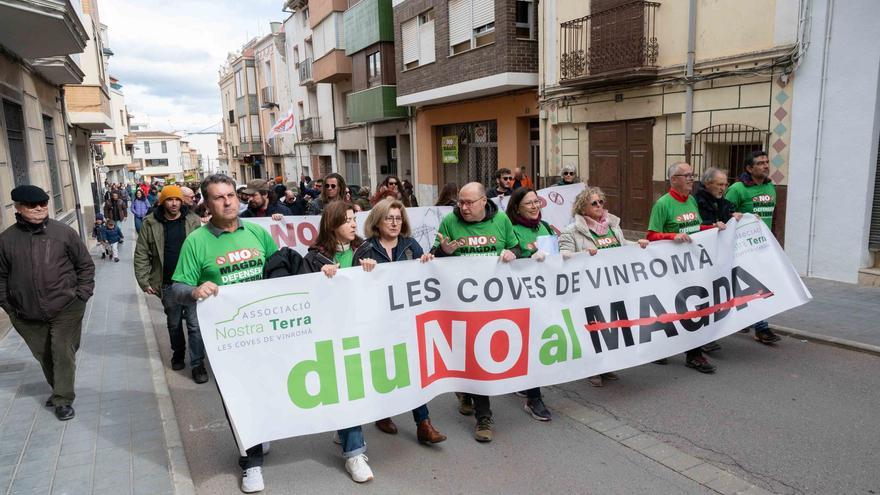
[
  {"x": 390, "y": 219},
  {"x": 463, "y": 203},
  {"x": 686, "y": 176},
  {"x": 536, "y": 202},
  {"x": 567, "y": 173},
  {"x": 34, "y": 206},
  {"x": 506, "y": 178},
  {"x": 598, "y": 202},
  {"x": 331, "y": 186}
]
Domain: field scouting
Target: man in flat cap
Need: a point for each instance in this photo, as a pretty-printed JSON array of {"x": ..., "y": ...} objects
[
  {"x": 262, "y": 201},
  {"x": 46, "y": 277}
]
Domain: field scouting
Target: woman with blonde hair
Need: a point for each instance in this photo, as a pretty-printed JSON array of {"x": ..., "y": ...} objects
[
  {"x": 388, "y": 239},
  {"x": 594, "y": 228}
]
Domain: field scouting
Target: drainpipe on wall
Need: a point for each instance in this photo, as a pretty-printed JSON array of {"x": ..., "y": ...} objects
[
  {"x": 71, "y": 163},
  {"x": 820, "y": 128},
  {"x": 689, "y": 74}
]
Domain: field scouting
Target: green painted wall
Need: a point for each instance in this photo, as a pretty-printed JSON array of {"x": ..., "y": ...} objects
[
  {"x": 367, "y": 23},
  {"x": 373, "y": 104}
]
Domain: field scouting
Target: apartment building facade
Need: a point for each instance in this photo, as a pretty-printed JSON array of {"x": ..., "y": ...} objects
[
  {"x": 271, "y": 63},
  {"x": 241, "y": 115},
  {"x": 468, "y": 69},
  {"x": 621, "y": 102},
  {"x": 115, "y": 150},
  {"x": 34, "y": 126},
  {"x": 159, "y": 155}
]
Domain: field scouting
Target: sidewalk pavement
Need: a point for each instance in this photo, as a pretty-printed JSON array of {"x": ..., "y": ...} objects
[
  {"x": 117, "y": 441},
  {"x": 839, "y": 314}
]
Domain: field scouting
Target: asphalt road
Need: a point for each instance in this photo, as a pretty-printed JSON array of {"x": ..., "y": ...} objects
[{"x": 794, "y": 418}]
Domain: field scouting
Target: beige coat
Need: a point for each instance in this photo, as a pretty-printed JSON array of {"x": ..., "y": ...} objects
[{"x": 576, "y": 238}]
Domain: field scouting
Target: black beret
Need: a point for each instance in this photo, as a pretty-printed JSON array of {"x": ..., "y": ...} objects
[{"x": 29, "y": 194}]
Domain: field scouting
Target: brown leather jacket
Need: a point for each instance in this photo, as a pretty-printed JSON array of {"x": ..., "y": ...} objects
[{"x": 42, "y": 269}]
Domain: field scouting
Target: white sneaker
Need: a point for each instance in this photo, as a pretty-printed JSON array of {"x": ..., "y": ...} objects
[
  {"x": 336, "y": 439},
  {"x": 358, "y": 469},
  {"x": 252, "y": 480},
  {"x": 266, "y": 446}
]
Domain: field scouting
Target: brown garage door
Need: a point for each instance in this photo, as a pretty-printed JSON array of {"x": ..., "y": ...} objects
[{"x": 621, "y": 164}]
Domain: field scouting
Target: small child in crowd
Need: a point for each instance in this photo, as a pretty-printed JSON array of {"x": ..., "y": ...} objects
[{"x": 112, "y": 236}]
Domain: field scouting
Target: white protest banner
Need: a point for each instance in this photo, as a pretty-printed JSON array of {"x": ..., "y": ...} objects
[
  {"x": 299, "y": 232},
  {"x": 305, "y": 354}
]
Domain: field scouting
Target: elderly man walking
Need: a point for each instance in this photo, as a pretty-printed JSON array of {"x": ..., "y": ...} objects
[
  {"x": 155, "y": 259},
  {"x": 475, "y": 228},
  {"x": 46, "y": 277},
  {"x": 674, "y": 217}
]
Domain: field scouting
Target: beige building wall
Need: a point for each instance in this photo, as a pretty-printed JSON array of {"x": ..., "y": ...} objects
[{"x": 37, "y": 98}]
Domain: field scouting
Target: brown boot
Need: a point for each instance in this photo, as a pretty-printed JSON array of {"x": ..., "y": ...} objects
[
  {"x": 426, "y": 432},
  {"x": 387, "y": 426}
]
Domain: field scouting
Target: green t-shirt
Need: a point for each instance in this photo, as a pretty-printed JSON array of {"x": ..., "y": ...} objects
[
  {"x": 757, "y": 199},
  {"x": 526, "y": 236},
  {"x": 486, "y": 238},
  {"x": 672, "y": 216},
  {"x": 344, "y": 258},
  {"x": 232, "y": 258},
  {"x": 609, "y": 240}
]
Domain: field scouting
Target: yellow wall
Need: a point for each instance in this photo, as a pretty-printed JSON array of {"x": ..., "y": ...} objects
[{"x": 510, "y": 113}]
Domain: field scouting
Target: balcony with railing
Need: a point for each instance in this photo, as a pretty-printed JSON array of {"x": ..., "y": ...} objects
[
  {"x": 310, "y": 129},
  {"x": 305, "y": 72},
  {"x": 614, "y": 45}
]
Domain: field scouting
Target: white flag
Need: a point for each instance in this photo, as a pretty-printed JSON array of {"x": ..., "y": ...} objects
[{"x": 285, "y": 125}]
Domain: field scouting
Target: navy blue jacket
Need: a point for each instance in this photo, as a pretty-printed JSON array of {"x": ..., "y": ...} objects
[{"x": 407, "y": 249}]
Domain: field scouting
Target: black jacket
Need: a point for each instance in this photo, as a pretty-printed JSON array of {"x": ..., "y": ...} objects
[
  {"x": 272, "y": 209},
  {"x": 42, "y": 269},
  {"x": 407, "y": 249},
  {"x": 713, "y": 209},
  {"x": 284, "y": 263},
  {"x": 316, "y": 258}
]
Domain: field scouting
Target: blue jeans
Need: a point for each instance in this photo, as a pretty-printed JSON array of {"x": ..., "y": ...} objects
[
  {"x": 761, "y": 326},
  {"x": 175, "y": 314},
  {"x": 420, "y": 413},
  {"x": 352, "y": 441},
  {"x": 138, "y": 221}
]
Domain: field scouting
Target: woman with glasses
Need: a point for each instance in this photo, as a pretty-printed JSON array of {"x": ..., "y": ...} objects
[
  {"x": 524, "y": 211},
  {"x": 334, "y": 249},
  {"x": 389, "y": 188},
  {"x": 567, "y": 176},
  {"x": 389, "y": 241},
  {"x": 593, "y": 229}
]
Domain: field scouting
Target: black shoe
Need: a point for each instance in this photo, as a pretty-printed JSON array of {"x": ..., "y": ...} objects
[
  {"x": 538, "y": 410},
  {"x": 200, "y": 374},
  {"x": 710, "y": 347},
  {"x": 103, "y": 255},
  {"x": 49, "y": 402},
  {"x": 663, "y": 361},
  {"x": 177, "y": 364},
  {"x": 766, "y": 336},
  {"x": 63, "y": 413},
  {"x": 116, "y": 260},
  {"x": 700, "y": 364}
]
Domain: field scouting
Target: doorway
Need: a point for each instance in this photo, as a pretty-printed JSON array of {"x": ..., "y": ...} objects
[{"x": 621, "y": 164}]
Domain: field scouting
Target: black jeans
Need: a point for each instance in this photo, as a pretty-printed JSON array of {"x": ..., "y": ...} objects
[
  {"x": 481, "y": 405},
  {"x": 175, "y": 314}
]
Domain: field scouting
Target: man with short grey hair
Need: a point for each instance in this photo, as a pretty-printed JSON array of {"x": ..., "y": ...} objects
[{"x": 188, "y": 196}]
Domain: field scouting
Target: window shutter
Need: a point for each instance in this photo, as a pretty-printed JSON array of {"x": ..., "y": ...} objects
[
  {"x": 426, "y": 43},
  {"x": 409, "y": 32},
  {"x": 459, "y": 21},
  {"x": 484, "y": 12}
]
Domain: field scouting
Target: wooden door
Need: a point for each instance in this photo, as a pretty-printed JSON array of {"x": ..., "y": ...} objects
[{"x": 621, "y": 165}]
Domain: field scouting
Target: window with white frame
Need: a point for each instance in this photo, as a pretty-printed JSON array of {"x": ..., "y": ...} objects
[
  {"x": 471, "y": 24},
  {"x": 239, "y": 84},
  {"x": 164, "y": 146},
  {"x": 255, "y": 127},
  {"x": 242, "y": 129},
  {"x": 525, "y": 19},
  {"x": 146, "y": 147},
  {"x": 417, "y": 35}
]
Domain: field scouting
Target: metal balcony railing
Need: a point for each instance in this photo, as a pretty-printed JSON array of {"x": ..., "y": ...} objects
[
  {"x": 305, "y": 72},
  {"x": 620, "y": 40},
  {"x": 310, "y": 128}
]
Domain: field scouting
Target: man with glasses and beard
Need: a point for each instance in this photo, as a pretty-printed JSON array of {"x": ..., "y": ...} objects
[
  {"x": 503, "y": 183},
  {"x": 674, "y": 217},
  {"x": 262, "y": 201},
  {"x": 46, "y": 277},
  {"x": 475, "y": 228}
]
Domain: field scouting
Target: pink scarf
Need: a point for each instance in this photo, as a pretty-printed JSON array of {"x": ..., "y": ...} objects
[{"x": 600, "y": 227}]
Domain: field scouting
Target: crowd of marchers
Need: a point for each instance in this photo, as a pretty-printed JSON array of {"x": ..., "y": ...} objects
[{"x": 185, "y": 235}]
